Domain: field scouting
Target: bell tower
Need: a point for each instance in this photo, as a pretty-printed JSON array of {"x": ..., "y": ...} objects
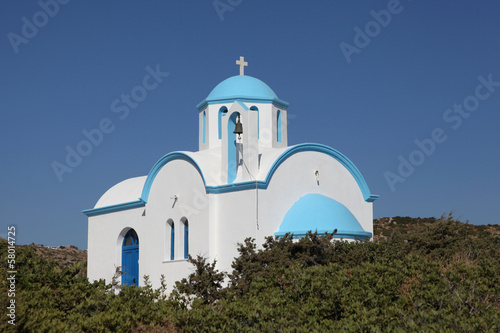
[{"x": 262, "y": 120}]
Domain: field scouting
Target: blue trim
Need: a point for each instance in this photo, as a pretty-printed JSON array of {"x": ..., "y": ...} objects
[
  {"x": 276, "y": 102},
  {"x": 236, "y": 187},
  {"x": 243, "y": 105},
  {"x": 204, "y": 125},
  {"x": 278, "y": 125},
  {"x": 243, "y": 185},
  {"x": 160, "y": 164},
  {"x": 186, "y": 240},
  {"x": 172, "y": 241},
  {"x": 203, "y": 104},
  {"x": 114, "y": 208}
]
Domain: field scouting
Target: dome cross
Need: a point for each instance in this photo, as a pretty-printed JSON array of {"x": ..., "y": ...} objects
[{"x": 242, "y": 64}]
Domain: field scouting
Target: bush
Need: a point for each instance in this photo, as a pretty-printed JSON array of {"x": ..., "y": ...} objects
[{"x": 437, "y": 275}]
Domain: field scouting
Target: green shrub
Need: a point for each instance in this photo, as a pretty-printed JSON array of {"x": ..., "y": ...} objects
[{"x": 429, "y": 275}]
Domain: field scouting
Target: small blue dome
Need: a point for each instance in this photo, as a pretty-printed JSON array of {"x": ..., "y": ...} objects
[
  {"x": 316, "y": 212},
  {"x": 244, "y": 88}
]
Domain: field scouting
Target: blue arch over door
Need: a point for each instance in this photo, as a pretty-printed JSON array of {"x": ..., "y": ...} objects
[{"x": 130, "y": 259}]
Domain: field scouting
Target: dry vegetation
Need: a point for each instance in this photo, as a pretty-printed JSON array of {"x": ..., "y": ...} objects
[{"x": 67, "y": 256}]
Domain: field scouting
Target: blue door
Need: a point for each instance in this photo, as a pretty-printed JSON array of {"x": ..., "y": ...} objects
[{"x": 130, "y": 259}]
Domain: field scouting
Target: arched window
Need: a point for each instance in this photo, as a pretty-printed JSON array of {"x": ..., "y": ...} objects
[
  {"x": 204, "y": 126},
  {"x": 186, "y": 237},
  {"x": 258, "y": 120},
  {"x": 131, "y": 238},
  {"x": 172, "y": 239},
  {"x": 222, "y": 113},
  {"x": 169, "y": 240},
  {"x": 278, "y": 124}
]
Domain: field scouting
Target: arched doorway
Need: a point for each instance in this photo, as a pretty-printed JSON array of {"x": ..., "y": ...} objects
[{"x": 130, "y": 259}]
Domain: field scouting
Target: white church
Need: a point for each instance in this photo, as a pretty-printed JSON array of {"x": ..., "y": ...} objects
[{"x": 244, "y": 181}]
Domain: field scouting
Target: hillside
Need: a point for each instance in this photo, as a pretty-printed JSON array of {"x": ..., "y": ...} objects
[
  {"x": 384, "y": 227},
  {"x": 67, "y": 256}
]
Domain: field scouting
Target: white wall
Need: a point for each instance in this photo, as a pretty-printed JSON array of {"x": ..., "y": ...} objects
[
  {"x": 234, "y": 221},
  {"x": 177, "y": 178},
  {"x": 106, "y": 233}
]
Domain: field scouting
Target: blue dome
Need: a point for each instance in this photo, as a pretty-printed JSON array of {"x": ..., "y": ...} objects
[
  {"x": 243, "y": 88},
  {"x": 315, "y": 212}
]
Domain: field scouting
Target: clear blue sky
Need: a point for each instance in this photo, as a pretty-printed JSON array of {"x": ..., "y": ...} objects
[{"x": 396, "y": 89}]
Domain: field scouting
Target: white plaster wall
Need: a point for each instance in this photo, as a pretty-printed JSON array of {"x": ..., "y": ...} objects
[
  {"x": 266, "y": 124},
  {"x": 250, "y": 148},
  {"x": 105, "y": 240},
  {"x": 125, "y": 191},
  {"x": 263, "y": 122},
  {"x": 234, "y": 221},
  {"x": 179, "y": 178}
]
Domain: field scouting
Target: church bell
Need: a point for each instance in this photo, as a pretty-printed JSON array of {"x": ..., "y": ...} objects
[{"x": 238, "y": 128}]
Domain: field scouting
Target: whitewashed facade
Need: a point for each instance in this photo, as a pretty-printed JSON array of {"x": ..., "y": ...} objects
[{"x": 205, "y": 202}]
